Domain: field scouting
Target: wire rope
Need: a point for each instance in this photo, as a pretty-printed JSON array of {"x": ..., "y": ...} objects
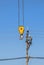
[
  {"x": 18, "y": 12},
  {"x": 23, "y": 10}
]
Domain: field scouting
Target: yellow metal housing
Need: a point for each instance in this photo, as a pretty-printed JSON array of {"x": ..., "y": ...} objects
[{"x": 21, "y": 30}]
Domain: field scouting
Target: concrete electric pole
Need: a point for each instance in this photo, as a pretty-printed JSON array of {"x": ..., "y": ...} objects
[{"x": 28, "y": 43}]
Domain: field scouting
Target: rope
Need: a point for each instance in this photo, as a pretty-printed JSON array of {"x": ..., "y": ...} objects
[
  {"x": 23, "y": 11},
  {"x": 18, "y": 12}
]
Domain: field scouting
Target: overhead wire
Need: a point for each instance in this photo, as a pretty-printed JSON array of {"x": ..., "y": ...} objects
[
  {"x": 8, "y": 59},
  {"x": 37, "y": 57}
]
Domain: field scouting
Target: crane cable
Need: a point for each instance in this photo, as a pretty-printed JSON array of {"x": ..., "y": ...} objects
[
  {"x": 19, "y": 12},
  {"x": 23, "y": 11}
]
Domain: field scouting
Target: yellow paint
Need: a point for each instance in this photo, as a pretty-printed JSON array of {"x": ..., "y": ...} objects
[{"x": 21, "y": 30}]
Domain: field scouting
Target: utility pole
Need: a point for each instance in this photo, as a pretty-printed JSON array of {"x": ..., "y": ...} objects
[{"x": 28, "y": 43}]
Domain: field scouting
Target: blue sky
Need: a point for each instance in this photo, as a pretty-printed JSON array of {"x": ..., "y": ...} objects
[{"x": 10, "y": 45}]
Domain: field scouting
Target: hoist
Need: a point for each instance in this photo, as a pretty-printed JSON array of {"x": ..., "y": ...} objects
[{"x": 21, "y": 27}]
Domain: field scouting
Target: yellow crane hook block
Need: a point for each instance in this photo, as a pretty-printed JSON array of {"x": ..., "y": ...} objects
[{"x": 21, "y": 30}]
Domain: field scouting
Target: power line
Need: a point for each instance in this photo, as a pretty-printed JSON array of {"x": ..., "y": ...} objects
[
  {"x": 7, "y": 59},
  {"x": 37, "y": 57}
]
